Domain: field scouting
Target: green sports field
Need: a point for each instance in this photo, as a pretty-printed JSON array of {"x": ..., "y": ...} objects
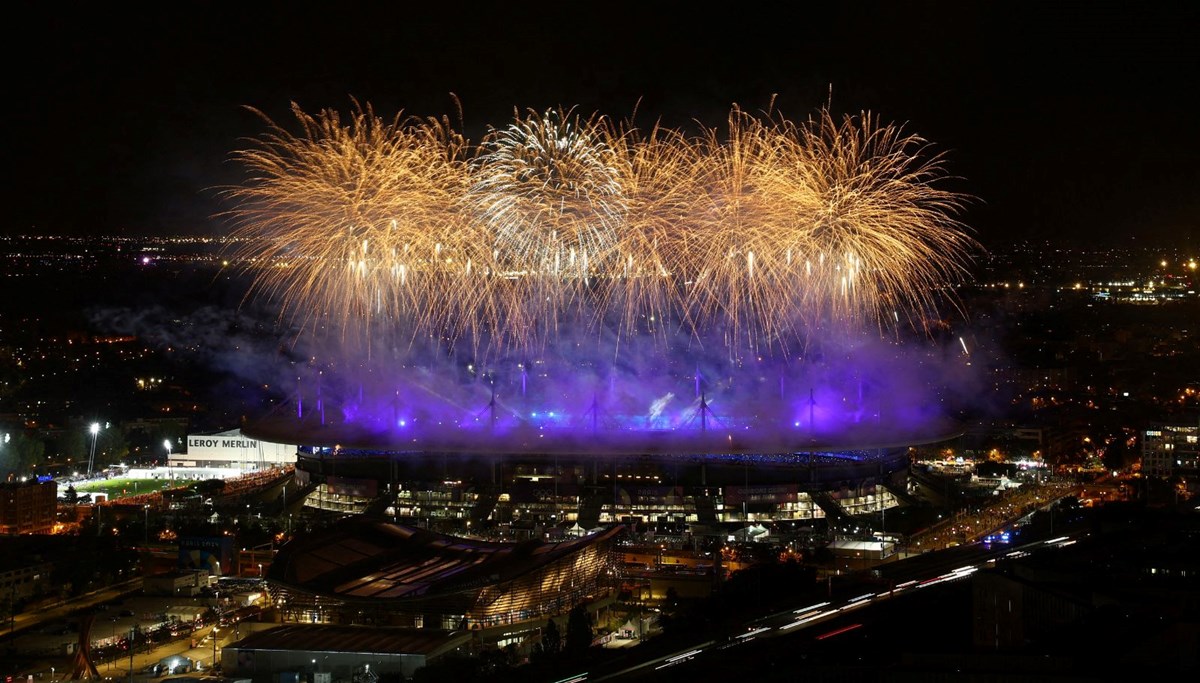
[{"x": 123, "y": 487}]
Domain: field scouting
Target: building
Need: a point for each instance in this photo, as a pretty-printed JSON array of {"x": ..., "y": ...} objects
[
  {"x": 23, "y": 578},
  {"x": 304, "y": 652},
  {"x": 1172, "y": 449},
  {"x": 540, "y": 471},
  {"x": 232, "y": 449},
  {"x": 186, "y": 583},
  {"x": 363, "y": 571},
  {"x": 698, "y": 492},
  {"x": 213, "y": 555},
  {"x": 28, "y": 507},
  {"x": 1127, "y": 588}
]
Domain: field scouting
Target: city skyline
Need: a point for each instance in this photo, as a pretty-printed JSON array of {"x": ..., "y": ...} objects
[{"x": 1064, "y": 119}]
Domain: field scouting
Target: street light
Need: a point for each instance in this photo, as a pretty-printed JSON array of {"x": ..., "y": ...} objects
[
  {"x": 95, "y": 431},
  {"x": 147, "y": 509},
  {"x": 167, "y": 445},
  {"x": 214, "y": 655},
  {"x": 132, "y": 647}
]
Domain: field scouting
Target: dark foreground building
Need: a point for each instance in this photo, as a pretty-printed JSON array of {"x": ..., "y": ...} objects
[
  {"x": 28, "y": 507},
  {"x": 345, "y": 653}
]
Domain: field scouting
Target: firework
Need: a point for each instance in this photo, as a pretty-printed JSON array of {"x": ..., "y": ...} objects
[
  {"x": 546, "y": 191},
  {"x": 351, "y": 223},
  {"x": 881, "y": 237},
  {"x": 761, "y": 234},
  {"x": 645, "y": 276},
  {"x": 740, "y": 281}
]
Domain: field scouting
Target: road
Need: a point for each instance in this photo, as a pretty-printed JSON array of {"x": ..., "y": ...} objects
[
  {"x": 202, "y": 654},
  {"x": 27, "y": 620},
  {"x": 827, "y": 623}
]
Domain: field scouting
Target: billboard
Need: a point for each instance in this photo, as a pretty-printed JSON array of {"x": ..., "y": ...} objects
[
  {"x": 211, "y": 553},
  {"x": 233, "y": 448}
]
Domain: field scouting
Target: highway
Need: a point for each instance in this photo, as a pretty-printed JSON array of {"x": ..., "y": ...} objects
[
  {"x": 27, "y": 620},
  {"x": 826, "y": 623}
]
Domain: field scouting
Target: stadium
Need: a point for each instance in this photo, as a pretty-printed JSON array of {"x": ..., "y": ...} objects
[
  {"x": 573, "y": 322},
  {"x": 506, "y": 355},
  {"x": 710, "y": 476}
]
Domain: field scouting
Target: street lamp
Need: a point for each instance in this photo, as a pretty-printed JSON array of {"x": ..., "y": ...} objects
[
  {"x": 95, "y": 431},
  {"x": 147, "y": 509},
  {"x": 214, "y": 654},
  {"x": 132, "y": 647}
]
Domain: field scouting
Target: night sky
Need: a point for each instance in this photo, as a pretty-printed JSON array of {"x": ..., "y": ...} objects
[{"x": 1074, "y": 121}]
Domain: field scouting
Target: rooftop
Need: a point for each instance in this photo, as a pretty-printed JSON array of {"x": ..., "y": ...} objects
[
  {"x": 367, "y": 639},
  {"x": 362, "y": 559}
]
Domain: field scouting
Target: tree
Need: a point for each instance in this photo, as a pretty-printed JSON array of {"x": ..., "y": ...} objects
[
  {"x": 19, "y": 452},
  {"x": 579, "y": 630},
  {"x": 551, "y": 639},
  {"x": 209, "y": 487},
  {"x": 672, "y": 597},
  {"x": 11, "y": 376},
  {"x": 72, "y": 443},
  {"x": 111, "y": 448},
  {"x": 1118, "y": 455}
]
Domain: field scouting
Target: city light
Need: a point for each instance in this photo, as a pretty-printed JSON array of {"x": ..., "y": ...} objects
[{"x": 94, "y": 430}]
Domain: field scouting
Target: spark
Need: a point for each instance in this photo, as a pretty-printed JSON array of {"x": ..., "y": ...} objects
[{"x": 764, "y": 231}]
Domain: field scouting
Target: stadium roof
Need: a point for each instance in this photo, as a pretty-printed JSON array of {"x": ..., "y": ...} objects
[{"x": 528, "y": 439}]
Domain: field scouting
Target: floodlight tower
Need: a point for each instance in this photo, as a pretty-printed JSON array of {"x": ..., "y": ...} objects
[{"x": 94, "y": 429}]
